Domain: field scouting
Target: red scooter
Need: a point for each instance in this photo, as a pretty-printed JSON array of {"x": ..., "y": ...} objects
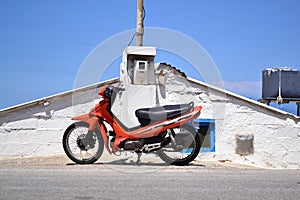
[{"x": 163, "y": 130}]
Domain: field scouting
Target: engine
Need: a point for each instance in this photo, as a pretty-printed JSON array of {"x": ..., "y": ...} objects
[
  {"x": 133, "y": 145},
  {"x": 146, "y": 145}
]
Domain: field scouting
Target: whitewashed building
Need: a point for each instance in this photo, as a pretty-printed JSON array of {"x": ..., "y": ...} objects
[{"x": 232, "y": 127}]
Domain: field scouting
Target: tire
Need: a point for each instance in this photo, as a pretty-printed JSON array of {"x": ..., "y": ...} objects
[
  {"x": 190, "y": 145},
  {"x": 79, "y": 149}
]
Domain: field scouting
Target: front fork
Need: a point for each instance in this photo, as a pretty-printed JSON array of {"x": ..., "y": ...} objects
[
  {"x": 104, "y": 134},
  {"x": 89, "y": 139}
]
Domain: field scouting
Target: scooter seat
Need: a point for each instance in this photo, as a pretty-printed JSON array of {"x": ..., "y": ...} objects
[{"x": 150, "y": 115}]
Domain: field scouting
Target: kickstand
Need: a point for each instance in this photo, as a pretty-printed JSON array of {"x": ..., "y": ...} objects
[{"x": 139, "y": 158}]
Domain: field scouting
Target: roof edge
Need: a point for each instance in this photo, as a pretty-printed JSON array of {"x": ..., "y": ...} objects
[
  {"x": 251, "y": 101},
  {"x": 48, "y": 98},
  {"x": 115, "y": 80}
]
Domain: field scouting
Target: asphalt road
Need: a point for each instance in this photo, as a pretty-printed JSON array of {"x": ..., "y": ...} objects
[{"x": 152, "y": 181}]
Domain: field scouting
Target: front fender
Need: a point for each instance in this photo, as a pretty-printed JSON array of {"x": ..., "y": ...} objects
[
  {"x": 84, "y": 117},
  {"x": 91, "y": 120}
]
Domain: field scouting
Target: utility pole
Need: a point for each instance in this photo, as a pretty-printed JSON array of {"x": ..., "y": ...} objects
[{"x": 140, "y": 23}]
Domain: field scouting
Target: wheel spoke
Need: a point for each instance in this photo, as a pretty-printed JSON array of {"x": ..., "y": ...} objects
[
  {"x": 79, "y": 146},
  {"x": 186, "y": 149}
]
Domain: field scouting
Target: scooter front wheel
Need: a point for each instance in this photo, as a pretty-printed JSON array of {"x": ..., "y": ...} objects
[
  {"x": 183, "y": 149},
  {"x": 82, "y": 146}
]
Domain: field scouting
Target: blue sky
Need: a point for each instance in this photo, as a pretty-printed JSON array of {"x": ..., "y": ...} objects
[{"x": 43, "y": 43}]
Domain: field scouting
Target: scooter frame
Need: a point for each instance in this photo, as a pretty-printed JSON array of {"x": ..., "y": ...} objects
[{"x": 101, "y": 112}]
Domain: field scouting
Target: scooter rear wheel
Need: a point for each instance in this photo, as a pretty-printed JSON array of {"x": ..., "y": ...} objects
[
  {"x": 186, "y": 148},
  {"x": 81, "y": 146}
]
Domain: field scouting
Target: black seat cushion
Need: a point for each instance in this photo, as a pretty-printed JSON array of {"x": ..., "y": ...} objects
[{"x": 150, "y": 115}]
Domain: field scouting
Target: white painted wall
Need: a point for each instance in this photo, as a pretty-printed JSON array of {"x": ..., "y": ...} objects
[
  {"x": 36, "y": 130},
  {"x": 134, "y": 97},
  {"x": 276, "y": 137},
  {"x": 276, "y": 133},
  {"x": 32, "y": 129}
]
